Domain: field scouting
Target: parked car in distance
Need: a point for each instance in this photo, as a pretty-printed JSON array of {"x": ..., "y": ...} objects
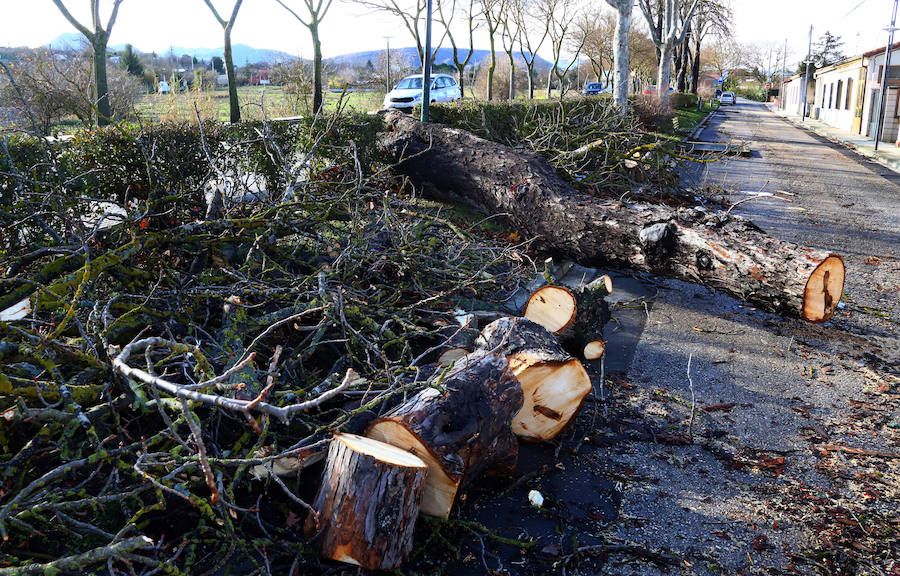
[
  {"x": 163, "y": 87},
  {"x": 408, "y": 92},
  {"x": 727, "y": 98},
  {"x": 650, "y": 89},
  {"x": 595, "y": 89}
]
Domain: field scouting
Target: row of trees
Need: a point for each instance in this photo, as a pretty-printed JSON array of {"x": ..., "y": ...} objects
[{"x": 518, "y": 28}]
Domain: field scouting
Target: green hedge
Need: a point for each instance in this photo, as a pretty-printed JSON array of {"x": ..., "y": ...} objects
[
  {"x": 680, "y": 100},
  {"x": 168, "y": 160},
  {"x": 511, "y": 122}
]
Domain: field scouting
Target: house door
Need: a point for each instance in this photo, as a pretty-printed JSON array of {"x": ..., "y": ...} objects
[
  {"x": 874, "y": 108},
  {"x": 860, "y": 101}
]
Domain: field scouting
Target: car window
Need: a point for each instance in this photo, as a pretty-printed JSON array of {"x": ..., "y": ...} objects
[
  {"x": 441, "y": 82},
  {"x": 409, "y": 84},
  {"x": 450, "y": 82}
]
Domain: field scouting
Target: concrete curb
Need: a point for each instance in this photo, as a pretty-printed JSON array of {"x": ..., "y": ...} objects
[
  {"x": 699, "y": 127},
  {"x": 890, "y": 163}
]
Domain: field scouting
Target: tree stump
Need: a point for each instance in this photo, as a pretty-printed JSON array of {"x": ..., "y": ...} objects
[
  {"x": 554, "y": 383},
  {"x": 368, "y": 502},
  {"x": 460, "y": 430}
]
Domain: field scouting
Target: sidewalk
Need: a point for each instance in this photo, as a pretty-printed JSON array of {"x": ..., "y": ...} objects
[{"x": 888, "y": 154}]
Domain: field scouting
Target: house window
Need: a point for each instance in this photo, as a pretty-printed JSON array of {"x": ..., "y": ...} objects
[
  {"x": 830, "y": 95},
  {"x": 837, "y": 98},
  {"x": 849, "y": 92}
]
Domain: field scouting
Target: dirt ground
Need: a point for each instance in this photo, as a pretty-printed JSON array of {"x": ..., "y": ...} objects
[{"x": 725, "y": 440}]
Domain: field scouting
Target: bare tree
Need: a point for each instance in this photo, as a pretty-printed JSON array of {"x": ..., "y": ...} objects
[
  {"x": 317, "y": 10},
  {"x": 227, "y": 26},
  {"x": 560, "y": 15},
  {"x": 598, "y": 28},
  {"x": 533, "y": 32},
  {"x": 413, "y": 16},
  {"x": 492, "y": 12},
  {"x": 712, "y": 17},
  {"x": 669, "y": 22},
  {"x": 624, "y": 9},
  {"x": 98, "y": 38},
  {"x": 467, "y": 11},
  {"x": 508, "y": 37}
]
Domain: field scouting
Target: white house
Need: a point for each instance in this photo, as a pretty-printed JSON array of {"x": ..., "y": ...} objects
[
  {"x": 792, "y": 92},
  {"x": 848, "y": 94},
  {"x": 840, "y": 93}
]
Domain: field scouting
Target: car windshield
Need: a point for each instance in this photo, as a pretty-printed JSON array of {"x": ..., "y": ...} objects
[{"x": 410, "y": 83}]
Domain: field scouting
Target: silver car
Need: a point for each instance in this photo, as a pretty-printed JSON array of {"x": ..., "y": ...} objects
[
  {"x": 727, "y": 98},
  {"x": 408, "y": 92}
]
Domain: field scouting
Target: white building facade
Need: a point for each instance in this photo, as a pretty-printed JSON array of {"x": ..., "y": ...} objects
[{"x": 847, "y": 95}]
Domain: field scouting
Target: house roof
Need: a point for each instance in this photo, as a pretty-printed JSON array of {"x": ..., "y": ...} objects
[
  {"x": 836, "y": 65},
  {"x": 880, "y": 50}
]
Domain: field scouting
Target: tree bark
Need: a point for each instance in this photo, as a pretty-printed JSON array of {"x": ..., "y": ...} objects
[
  {"x": 554, "y": 383},
  {"x": 233, "y": 104},
  {"x": 318, "y": 89},
  {"x": 695, "y": 67},
  {"x": 460, "y": 432},
  {"x": 664, "y": 76},
  {"x": 101, "y": 85},
  {"x": 719, "y": 250},
  {"x": 624, "y": 9},
  {"x": 368, "y": 503}
]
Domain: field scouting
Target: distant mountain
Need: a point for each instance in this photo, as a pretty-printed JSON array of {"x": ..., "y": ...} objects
[
  {"x": 443, "y": 56},
  {"x": 241, "y": 53}
]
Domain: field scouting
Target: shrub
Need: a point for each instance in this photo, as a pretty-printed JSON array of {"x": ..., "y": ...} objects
[
  {"x": 651, "y": 114},
  {"x": 680, "y": 100}
]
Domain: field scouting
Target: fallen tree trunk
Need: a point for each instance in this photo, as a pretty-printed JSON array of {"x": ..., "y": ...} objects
[
  {"x": 368, "y": 503},
  {"x": 719, "y": 250},
  {"x": 553, "y": 383},
  {"x": 460, "y": 432}
]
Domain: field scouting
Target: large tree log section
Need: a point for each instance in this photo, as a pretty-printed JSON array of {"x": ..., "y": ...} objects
[
  {"x": 461, "y": 430},
  {"x": 368, "y": 502},
  {"x": 553, "y": 383},
  {"x": 719, "y": 250}
]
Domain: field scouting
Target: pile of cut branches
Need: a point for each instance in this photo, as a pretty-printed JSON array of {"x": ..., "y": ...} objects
[{"x": 159, "y": 369}]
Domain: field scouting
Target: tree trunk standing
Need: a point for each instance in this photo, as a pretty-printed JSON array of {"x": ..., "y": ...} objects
[
  {"x": 664, "y": 77},
  {"x": 512, "y": 78},
  {"x": 624, "y": 9},
  {"x": 695, "y": 66},
  {"x": 233, "y": 104},
  {"x": 725, "y": 252},
  {"x": 368, "y": 503},
  {"x": 318, "y": 89},
  {"x": 684, "y": 54},
  {"x": 549, "y": 81},
  {"x": 491, "y": 68},
  {"x": 101, "y": 85}
]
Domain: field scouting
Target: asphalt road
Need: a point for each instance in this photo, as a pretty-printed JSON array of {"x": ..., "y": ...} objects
[{"x": 706, "y": 449}]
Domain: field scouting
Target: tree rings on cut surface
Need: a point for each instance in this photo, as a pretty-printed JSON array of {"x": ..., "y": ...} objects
[
  {"x": 554, "y": 383},
  {"x": 368, "y": 502},
  {"x": 553, "y": 307},
  {"x": 823, "y": 289}
]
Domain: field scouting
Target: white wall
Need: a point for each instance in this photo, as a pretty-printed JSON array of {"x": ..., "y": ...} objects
[{"x": 831, "y": 96}]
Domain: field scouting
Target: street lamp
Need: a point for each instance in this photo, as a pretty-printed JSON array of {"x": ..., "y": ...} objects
[{"x": 426, "y": 66}]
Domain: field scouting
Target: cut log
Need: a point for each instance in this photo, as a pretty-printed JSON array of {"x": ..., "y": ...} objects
[
  {"x": 553, "y": 307},
  {"x": 554, "y": 383},
  {"x": 459, "y": 338},
  {"x": 594, "y": 350},
  {"x": 461, "y": 432},
  {"x": 717, "y": 249},
  {"x": 368, "y": 502}
]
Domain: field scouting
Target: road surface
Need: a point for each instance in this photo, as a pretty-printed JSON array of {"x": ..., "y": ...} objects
[{"x": 726, "y": 440}]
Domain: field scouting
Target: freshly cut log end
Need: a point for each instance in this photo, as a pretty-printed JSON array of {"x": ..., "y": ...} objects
[
  {"x": 368, "y": 502},
  {"x": 554, "y": 393},
  {"x": 823, "y": 290},
  {"x": 459, "y": 339},
  {"x": 607, "y": 283},
  {"x": 553, "y": 383},
  {"x": 553, "y": 307},
  {"x": 594, "y": 350},
  {"x": 451, "y": 355},
  {"x": 459, "y": 433}
]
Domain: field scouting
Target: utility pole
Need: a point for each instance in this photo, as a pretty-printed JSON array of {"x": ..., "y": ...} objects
[
  {"x": 806, "y": 75},
  {"x": 388, "y": 77},
  {"x": 426, "y": 66},
  {"x": 884, "y": 76},
  {"x": 783, "y": 66}
]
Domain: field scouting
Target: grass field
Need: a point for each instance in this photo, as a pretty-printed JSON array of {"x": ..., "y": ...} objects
[{"x": 254, "y": 101}]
